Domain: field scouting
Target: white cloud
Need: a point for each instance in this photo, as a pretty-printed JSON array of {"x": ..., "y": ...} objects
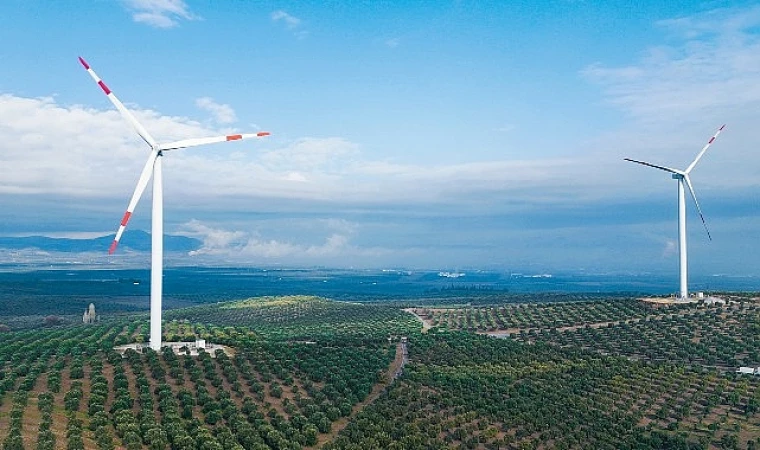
[
  {"x": 393, "y": 42},
  {"x": 670, "y": 248},
  {"x": 313, "y": 154},
  {"x": 80, "y": 151},
  {"x": 75, "y": 150},
  {"x": 721, "y": 21},
  {"x": 87, "y": 153},
  {"x": 222, "y": 114},
  {"x": 291, "y": 22},
  {"x": 159, "y": 13},
  {"x": 218, "y": 242},
  {"x": 340, "y": 225},
  {"x": 711, "y": 70},
  {"x": 213, "y": 239},
  {"x": 295, "y": 176},
  {"x": 506, "y": 128}
]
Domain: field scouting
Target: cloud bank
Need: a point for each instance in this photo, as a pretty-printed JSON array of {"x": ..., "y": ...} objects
[{"x": 710, "y": 69}]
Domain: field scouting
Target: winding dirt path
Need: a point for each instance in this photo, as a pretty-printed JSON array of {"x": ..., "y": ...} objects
[
  {"x": 426, "y": 325},
  {"x": 391, "y": 373}
]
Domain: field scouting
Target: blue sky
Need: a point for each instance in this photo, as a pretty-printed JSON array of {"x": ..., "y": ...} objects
[{"x": 424, "y": 134}]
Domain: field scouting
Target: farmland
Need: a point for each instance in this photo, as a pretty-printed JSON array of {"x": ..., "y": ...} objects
[
  {"x": 67, "y": 388},
  {"x": 307, "y": 372},
  {"x": 714, "y": 336},
  {"x": 470, "y": 391}
]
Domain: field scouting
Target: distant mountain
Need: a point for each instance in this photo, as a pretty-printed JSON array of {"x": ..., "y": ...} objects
[{"x": 135, "y": 240}]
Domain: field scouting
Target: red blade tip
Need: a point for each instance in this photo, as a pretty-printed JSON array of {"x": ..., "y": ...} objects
[
  {"x": 722, "y": 126},
  {"x": 125, "y": 219},
  {"x": 104, "y": 87},
  {"x": 262, "y": 133},
  {"x": 84, "y": 63},
  {"x": 112, "y": 248}
]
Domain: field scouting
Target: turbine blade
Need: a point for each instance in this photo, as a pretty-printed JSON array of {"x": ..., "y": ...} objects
[
  {"x": 694, "y": 196},
  {"x": 142, "y": 183},
  {"x": 666, "y": 169},
  {"x": 704, "y": 149},
  {"x": 211, "y": 140},
  {"x": 122, "y": 109}
]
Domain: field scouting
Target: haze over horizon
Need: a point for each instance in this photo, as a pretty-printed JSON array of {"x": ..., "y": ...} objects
[{"x": 426, "y": 135}]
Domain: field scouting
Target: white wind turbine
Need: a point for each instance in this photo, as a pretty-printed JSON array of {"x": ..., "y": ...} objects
[
  {"x": 683, "y": 179},
  {"x": 153, "y": 167}
]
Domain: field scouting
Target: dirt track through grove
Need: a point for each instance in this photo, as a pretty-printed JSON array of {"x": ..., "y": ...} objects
[{"x": 390, "y": 375}]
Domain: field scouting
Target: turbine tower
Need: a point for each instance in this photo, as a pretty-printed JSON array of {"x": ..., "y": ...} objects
[
  {"x": 153, "y": 167},
  {"x": 683, "y": 182}
]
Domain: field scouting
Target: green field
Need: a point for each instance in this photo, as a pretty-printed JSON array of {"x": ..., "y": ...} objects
[{"x": 307, "y": 372}]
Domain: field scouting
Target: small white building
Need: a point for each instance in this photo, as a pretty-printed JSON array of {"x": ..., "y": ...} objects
[
  {"x": 713, "y": 301},
  {"x": 89, "y": 315},
  {"x": 749, "y": 370}
]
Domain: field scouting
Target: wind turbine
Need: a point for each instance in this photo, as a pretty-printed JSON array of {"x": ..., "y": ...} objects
[
  {"x": 153, "y": 167},
  {"x": 683, "y": 179}
]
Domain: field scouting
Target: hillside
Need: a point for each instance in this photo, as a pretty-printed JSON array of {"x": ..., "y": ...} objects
[
  {"x": 307, "y": 372},
  {"x": 132, "y": 240}
]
